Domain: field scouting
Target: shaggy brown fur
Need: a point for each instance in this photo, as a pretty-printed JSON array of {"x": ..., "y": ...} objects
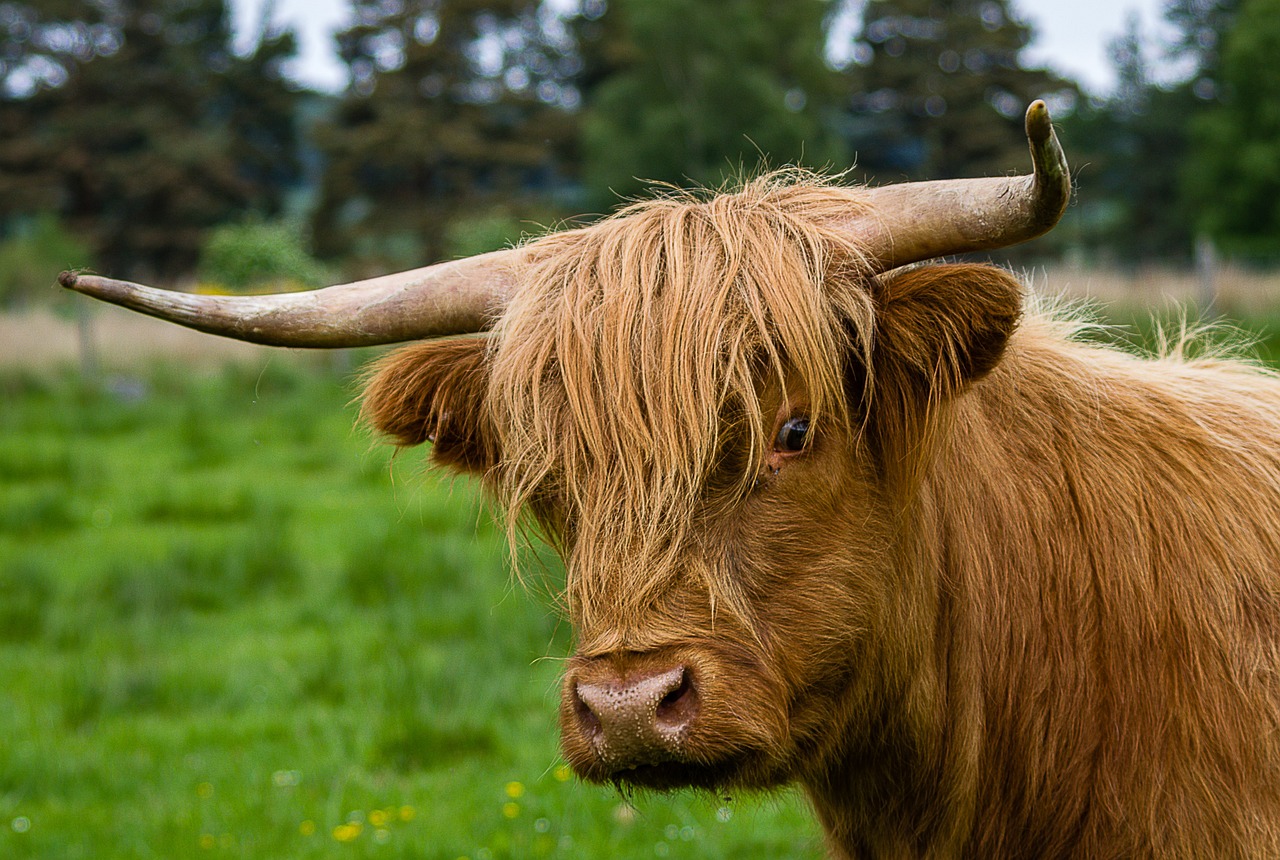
[{"x": 1017, "y": 597}]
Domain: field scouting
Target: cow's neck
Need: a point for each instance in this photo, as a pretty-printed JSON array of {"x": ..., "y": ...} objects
[{"x": 1061, "y": 525}]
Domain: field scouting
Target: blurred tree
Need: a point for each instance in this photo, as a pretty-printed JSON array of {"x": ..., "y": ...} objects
[
  {"x": 36, "y": 250},
  {"x": 1200, "y": 28},
  {"x": 262, "y": 109},
  {"x": 137, "y": 123},
  {"x": 1233, "y": 175},
  {"x": 686, "y": 90},
  {"x": 452, "y": 106},
  {"x": 1132, "y": 94},
  {"x": 42, "y": 43},
  {"x": 1129, "y": 148},
  {"x": 259, "y": 256},
  {"x": 938, "y": 89},
  {"x": 602, "y": 45},
  {"x": 1198, "y": 156}
]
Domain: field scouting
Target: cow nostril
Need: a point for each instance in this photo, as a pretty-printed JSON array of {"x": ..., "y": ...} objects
[
  {"x": 587, "y": 717},
  {"x": 676, "y": 693},
  {"x": 677, "y": 707}
]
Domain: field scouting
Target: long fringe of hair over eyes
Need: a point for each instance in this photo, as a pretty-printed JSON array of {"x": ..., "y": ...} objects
[{"x": 633, "y": 354}]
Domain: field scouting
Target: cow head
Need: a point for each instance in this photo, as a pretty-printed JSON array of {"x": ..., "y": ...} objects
[
  {"x": 711, "y": 408},
  {"x": 712, "y": 438}
]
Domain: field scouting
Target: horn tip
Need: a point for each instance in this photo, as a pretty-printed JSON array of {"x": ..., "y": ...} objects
[
  {"x": 1039, "y": 123},
  {"x": 97, "y": 287}
]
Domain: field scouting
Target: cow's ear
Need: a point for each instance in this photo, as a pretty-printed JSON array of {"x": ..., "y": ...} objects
[
  {"x": 940, "y": 328},
  {"x": 436, "y": 391}
]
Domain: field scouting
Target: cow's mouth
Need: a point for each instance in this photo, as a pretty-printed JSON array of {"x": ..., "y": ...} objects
[
  {"x": 669, "y": 776},
  {"x": 744, "y": 770}
]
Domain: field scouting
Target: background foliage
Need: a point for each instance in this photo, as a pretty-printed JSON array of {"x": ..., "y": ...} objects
[
  {"x": 35, "y": 247},
  {"x": 452, "y": 107},
  {"x": 938, "y": 91},
  {"x": 698, "y": 91},
  {"x": 141, "y": 128},
  {"x": 237, "y": 257},
  {"x": 1233, "y": 176}
]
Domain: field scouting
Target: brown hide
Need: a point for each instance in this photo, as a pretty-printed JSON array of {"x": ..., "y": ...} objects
[
  {"x": 1098, "y": 537},
  {"x": 1017, "y": 596}
]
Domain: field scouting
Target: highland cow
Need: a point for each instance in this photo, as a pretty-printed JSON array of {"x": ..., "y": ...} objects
[{"x": 833, "y": 518}]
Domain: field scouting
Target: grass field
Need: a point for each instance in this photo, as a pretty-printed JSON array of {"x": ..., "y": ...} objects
[{"x": 229, "y": 627}]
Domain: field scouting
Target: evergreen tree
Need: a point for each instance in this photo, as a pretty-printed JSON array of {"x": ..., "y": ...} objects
[
  {"x": 602, "y": 45},
  {"x": 262, "y": 110},
  {"x": 453, "y": 106},
  {"x": 151, "y": 130},
  {"x": 697, "y": 91},
  {"x": 1132, "y": 95},
  {"x": 41, "y": 43},
  {"x": 938, "y": 89},
  {"x": 1162, "y": 162},
  {"x": 1130, "y": 148},
  {"x": 1201, "y": 27},
  {"x": 1233, "y": 174}
]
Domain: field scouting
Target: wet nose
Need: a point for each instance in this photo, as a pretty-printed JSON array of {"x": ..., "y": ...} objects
[{"x": 636, "y": 719}]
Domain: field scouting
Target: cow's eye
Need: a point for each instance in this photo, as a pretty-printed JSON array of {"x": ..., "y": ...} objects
[{"x": 793, "y": 435}]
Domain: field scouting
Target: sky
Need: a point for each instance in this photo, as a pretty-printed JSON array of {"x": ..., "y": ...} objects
[{"x": 1071, "y": 35}]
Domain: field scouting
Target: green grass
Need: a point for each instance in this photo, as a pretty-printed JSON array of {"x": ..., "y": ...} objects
[
  {"x": 1138, "y": 329},
  {"x": 229, "y": 628}
]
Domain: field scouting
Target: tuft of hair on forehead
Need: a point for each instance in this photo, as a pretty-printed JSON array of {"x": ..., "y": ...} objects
[{"x": 630, "y": 364}]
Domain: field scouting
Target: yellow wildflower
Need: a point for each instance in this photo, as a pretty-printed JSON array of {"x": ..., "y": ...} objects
[
  {"x": 347, "y": 832},
  {"x": 515, "y": 790},
  {"x": 510, "y": 810}
]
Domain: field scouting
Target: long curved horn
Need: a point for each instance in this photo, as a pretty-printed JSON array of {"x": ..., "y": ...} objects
[
  {"x": 447, "y": 298},
  {"x": 917, "y": 221}
]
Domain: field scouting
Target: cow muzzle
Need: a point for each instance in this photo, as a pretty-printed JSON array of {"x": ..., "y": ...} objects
[{"x": 630, "y": 717}]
